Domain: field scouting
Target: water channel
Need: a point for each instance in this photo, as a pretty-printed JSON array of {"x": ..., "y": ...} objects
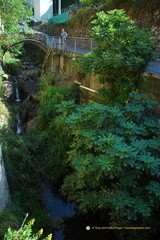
[
  {"x": 58, "y": 209},
  {"x": 61, "y": 213},
  {"x": 73, "y": 224}
]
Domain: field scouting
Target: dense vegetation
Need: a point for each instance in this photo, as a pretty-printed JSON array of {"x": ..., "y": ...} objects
[
  {"x": 11, "y": 13},
  {"x": 122, "y": 56},
  {"x": 137, "y": 5},
  {"x": 26, "y": 232},
  {"x": 111, "y": 164},
  {"x": 109, "y": 160}
]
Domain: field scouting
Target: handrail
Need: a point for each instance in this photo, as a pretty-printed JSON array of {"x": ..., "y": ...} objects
[
  {"x": 74, "y": 37},
  {"x": 75, "y": 44},
  {"x": 83, "y": 45}
]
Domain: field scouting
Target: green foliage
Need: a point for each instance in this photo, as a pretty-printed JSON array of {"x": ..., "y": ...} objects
[
  {"x": 21, "y": 149},
  {"x": 114, "y": 157},
  {"x": 56, "y": 141},
  {"x": 53, "y": 161},
  {"x": 7, "y": 218},
  {"x": 122, "y": 56},
  {"x": 46, "y": 80},
  {"x": 24, "y": 182},
  {"x": 11, "y": 65},
  {"x": 1, "y": 86},
  {"x": 137, "y": 6},
  {"x": 92, "y": 2},
  {"x": 88, "y": 2},
  {"x": 49, "y": 99},
  {"x": 17, "y": 50},
  {"x": 25, "y": 232},
  {"x": 11, "y": 12}
]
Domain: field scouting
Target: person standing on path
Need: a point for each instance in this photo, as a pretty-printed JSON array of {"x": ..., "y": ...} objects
[{"x": 63, "y": 37}]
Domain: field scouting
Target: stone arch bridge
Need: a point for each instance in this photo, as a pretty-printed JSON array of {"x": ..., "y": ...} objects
[
  {"x": 76, "y": 47},
  {"x": 59, "y": 60},
  {"x": 37, "y": 39}
]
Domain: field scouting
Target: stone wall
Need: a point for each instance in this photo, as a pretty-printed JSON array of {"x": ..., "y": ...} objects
[
  {"x": 37, "y": 36},
  {"x": 150, "y": 20},
  {"x": 4, "y": 113},
  {"x": 67, "y": 73}
]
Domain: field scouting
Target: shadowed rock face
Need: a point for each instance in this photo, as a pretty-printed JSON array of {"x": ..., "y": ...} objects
[{"x": 4, "y": 190}]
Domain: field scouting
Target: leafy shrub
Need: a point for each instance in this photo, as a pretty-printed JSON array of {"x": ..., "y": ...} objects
[
  {"x": 24, "y": 182},
  {"x": 122, "y": 56},
  {"x": 46, "y": 80},
  {"x": 48, "y": 102},
  {"x": 114, "y": 158},
  {"x": 7, "y": 219},
  {"x": 25, "y": 233},
  {"x": 137, "y": 6},
  {"x": 11, "y": 65},
  {"x": 17, "y": 50}
]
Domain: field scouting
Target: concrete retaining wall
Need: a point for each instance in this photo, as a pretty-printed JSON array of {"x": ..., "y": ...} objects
[
  {"x": 61, "y": 64},
  {"x": 4, "y": 190}
]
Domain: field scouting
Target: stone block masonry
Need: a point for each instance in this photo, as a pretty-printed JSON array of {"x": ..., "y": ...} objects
[{"x": 37, "y": 36}]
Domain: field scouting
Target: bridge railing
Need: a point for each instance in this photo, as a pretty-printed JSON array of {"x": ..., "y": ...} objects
[
  {"x": 75, "y": 44},
  {"x": 86, "y": 45}
]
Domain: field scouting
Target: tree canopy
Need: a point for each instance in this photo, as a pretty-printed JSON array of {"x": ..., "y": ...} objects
[
  {"x": 122, "y": 55},
  {"x": 11, "y": 13}
]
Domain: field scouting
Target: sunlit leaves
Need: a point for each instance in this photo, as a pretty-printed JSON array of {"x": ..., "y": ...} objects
[
  {"x": 122, "y": 56},
  {"x": 25, "y": 233},
  {"x": 11, "y": 12},
  {"x": 114, "y": 156}
]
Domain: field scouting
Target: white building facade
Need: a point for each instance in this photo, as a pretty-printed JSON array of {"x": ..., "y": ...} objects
[{"x": 43, "y": 9}]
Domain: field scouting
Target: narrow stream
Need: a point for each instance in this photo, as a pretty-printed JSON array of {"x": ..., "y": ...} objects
[
  {"x": 19, "y": 124},
  {"x": 68, "y": 222},
  {"x": 57, "y": 208},
  {"x": 17, "y": 93},
  {"x": 73, "y": 224}
]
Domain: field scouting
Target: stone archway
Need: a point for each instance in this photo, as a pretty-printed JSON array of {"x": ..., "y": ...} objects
[{"x": 32, "y": 41}]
